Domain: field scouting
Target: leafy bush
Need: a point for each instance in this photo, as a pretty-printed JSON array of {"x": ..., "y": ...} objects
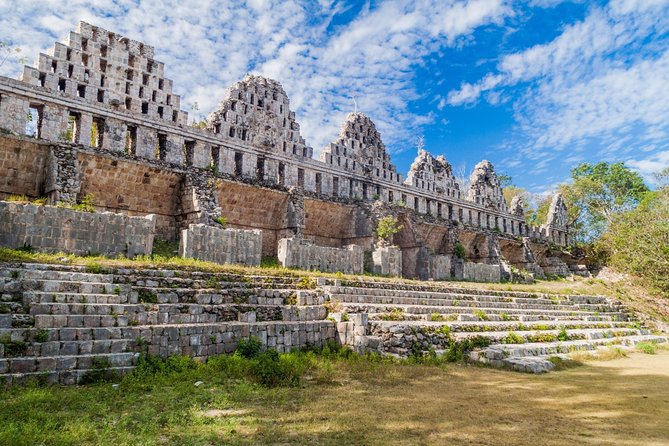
[
  {"x": 42, "y": 335},
  {"x": 459, "y": 251},
  {"x": 272, "y": 370},
  {"x": 270, "y": 262},
  {"x": 458, "y": 350},
  {"x": 387, "y": 227},
  {"x": 221, "y": 221},
  {"x": 512, "y": 338},
  {"x": 249, "y": 348},
  {"x": 648, "y": 347},
  {"x": 85, "y": 205},
  {"x": 637, "y": 241}
]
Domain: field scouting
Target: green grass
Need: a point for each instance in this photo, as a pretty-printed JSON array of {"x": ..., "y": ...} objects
[{"x": 342, "y": 398}]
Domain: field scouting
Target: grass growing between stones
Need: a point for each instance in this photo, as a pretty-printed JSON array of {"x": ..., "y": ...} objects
[
  {"x": 351, "y": 400},
  {"x": 165, "y": 257}
]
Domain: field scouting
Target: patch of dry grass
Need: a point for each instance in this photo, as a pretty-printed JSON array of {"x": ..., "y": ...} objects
[{"x": 618, "y": 402}]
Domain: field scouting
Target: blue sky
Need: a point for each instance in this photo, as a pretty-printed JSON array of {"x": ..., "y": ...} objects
[{"x": 534, "y": 86}]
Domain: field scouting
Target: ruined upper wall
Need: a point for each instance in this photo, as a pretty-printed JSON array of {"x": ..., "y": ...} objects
[
  {"x": 433, "y": 174},
  {"x": 97, "y": 66},
  {"x": 257, "y": 110},
  {"x": 484, "y": 188},
  {"x": 359, "y": 148}
]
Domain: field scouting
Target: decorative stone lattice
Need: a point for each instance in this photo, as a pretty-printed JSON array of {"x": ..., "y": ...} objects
[
  {"x": 359, "y": 148},
  {"x": 433, "y": 174},
  {"x": 257, "y": 110},
  {"x": 517, "y": 207},
  {"x": 485, "y": 189}
]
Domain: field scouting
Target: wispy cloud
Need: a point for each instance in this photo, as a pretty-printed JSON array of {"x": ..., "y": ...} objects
[
  {"x": 208, "y": 47},
  {"x": 600, "y": 83}
]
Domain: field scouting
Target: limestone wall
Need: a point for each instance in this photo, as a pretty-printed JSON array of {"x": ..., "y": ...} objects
[
  {"x": 481, "y": 272},
  {"x": 387, "y": 261},
  {"x": 300, "y": 253},
  {"x": 221, "y": 245},
  {"x": 22, "y": 167},
  {"x": 440, "y": 267},
  {"x": 54, "y": 229}
]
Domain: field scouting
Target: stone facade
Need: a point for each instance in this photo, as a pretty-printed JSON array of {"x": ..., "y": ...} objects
[
  {"x": 107, "y": 123},
  {"x": 54, "y": 229},
  {"x": 440, "y": 267},
  {"x": 480, "y": 272},
  {"x": 387, "y": 261},
  {"x": 484, "y": 187},
  {"x": 221, "y": 245},
  {"x": 433, "y": 174},
  {"x": 300, "y": 253}
]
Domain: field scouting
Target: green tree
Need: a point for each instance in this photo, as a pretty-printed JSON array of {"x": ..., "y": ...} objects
[
  {"x": 387, "y": 227},
  {"x": 637, "y": 241},
  {"x": 598, "y": 194}
]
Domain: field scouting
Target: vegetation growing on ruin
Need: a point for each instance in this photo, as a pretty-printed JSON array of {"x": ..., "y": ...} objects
[{"x": 387, "y": 227}]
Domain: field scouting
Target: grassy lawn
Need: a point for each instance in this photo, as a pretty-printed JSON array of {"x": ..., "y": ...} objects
[{"x": 354, "y": 401}]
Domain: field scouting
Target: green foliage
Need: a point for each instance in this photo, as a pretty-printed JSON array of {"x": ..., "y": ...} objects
[
  {"x": 648, "y": 347},
  {"x": 165, "y": 248},
  {"x": 637, "y": 241},
  {"x": 94, "y": 267},
  {"x": 42, "y": 335},
  {"x": 563, "y": 335},
  {"x": 459, "y": 251},
  {"x": 598, "y": 194},
  {"x": 458, "y": 350},
  {"x": 270, "y": 262},
  {"x": 249, "y": 348},
  {"x": 395, "y": 315},
  {"x": 387, "y": 227},
  {"x": 540, "y": 214},
  {"x": 513, "y": 338},
  {"x": 481, "y": 315},
  {"x": 147, "y": 297},
  {"x": 221, "y": 221},
  {"x": 13, "y": 348},
  {"x": 344, "y": 317},
  {"x": 99, "y": 371},
  {"x": 273, "y": 370},
  {"x": 305, "y": 283},
  {"x": 85, "y": 205}
]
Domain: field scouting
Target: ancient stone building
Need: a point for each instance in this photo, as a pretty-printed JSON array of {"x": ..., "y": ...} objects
[{"x": 106, "y": 123}]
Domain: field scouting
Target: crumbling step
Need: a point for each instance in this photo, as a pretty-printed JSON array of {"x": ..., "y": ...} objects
[
  {"x": 536, "y": 357},
  {"x": 64, "y": 377},
  {"x": 382, "y": 289},
  {"x": 345, "y": 299},
  {"x": 473, "y": 313}
]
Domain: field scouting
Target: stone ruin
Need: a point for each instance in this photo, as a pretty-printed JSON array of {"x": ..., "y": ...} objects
[
  {"x": 107, "y": 130},
  {"x": 106, "y": 124}
]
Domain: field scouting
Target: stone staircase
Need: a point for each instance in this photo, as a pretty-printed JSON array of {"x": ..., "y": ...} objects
[
  {"x": 58, "y": 323},
  {"x": 524, "y": 330}
]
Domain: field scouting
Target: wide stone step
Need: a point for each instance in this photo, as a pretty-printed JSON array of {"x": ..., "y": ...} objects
[
  {"x": 505, "y": 326},
  {"x": 473, "y": 312},
  {"x": 552, "y": 335},
  {"x": 32, "y": 364},
  {"x": 50, "y": 275},
  {"x": 536, "y": 357},
  {"x": 94, "y": 315},
  {"x": 388, "y": 300},
  {"x": 436, "y": 292},
  {"x": 64, "y": 377}
]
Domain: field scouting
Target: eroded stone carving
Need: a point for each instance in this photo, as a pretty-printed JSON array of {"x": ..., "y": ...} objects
[
  {"x": 433, "y": 174},
  {"x": 485, "y": 189}
]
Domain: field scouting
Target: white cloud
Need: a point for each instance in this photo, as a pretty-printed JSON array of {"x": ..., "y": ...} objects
[
  {"x": 601, "y": 83},
  {"x": 651, "y": 165},
  {"x": 209, "y": 47}
]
